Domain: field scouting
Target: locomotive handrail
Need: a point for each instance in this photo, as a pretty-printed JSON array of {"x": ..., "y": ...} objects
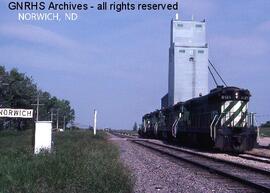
[
  {"x": 256, "y": 126},
  {"x": 215, "y": 127},
  {"x": 144, "y": 126},
  {"x": 174, "y": 125},
  {"x": 211, "y": 126},
  {"x": 156, "y": 128}
]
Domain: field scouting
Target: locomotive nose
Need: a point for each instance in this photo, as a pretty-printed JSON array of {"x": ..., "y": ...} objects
[
  {"x": 237, "y": 140},
  {"x": 237, "y": 143}
]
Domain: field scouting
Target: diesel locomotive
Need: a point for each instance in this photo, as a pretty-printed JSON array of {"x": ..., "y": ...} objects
[{"x": 217, "y": 120}]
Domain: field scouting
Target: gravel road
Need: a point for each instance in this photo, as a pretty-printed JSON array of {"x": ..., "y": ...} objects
[
  {"x": 155, "y": 173},
  {"x": 264, "y": 142}
]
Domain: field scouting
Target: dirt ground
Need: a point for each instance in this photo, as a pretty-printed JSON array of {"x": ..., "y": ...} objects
[{"x": 264, "y": 141}]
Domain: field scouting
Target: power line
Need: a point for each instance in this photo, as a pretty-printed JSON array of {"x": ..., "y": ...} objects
[
  {"x": 263, "y": 115},
  {"x": 212, "y": 76},
  {"x": 217, "y": 73}
]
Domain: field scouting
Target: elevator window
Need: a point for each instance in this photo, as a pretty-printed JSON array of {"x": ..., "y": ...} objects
[
  {"x": 182, "y": 51},
  {"x": 180, "y": 25},
  {"x": 200, "y": 51}
]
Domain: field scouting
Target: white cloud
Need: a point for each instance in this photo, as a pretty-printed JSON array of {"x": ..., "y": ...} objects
[{"x": 35, "y": 34}]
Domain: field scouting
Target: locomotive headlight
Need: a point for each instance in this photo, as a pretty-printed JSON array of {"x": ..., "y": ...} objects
[{"x": 236, "y": 95}]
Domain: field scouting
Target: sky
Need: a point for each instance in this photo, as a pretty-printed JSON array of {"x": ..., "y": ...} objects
[{"x": 117, "y": 63}]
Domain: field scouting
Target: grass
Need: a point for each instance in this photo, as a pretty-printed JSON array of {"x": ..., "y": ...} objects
[
  {"x": 265, "y": 132},
  {"x": 81, "y": 162}
]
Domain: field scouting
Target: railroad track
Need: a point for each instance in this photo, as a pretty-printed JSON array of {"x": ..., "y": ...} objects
[
  {"x": 247, "y": 155},
  {"x": 258, "y": 155},
  {"x": 251, "y": 176},
  {"x": 123, "y": 135},
  {"x": 254, "y": 157}
]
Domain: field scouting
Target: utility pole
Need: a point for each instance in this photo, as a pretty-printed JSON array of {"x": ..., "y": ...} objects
[
  {"x": 37, "y": 107},
  {"x": 52, "y": 114},
  {"x": 57, "y": 120},
  {"x": 2, "y": 83},
  {"x": 64, "y": 126},
  {"x": 95, "y": 122},
  {"x": 37, "y": 104}
]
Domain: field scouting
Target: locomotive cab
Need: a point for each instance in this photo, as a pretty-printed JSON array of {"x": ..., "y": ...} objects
[{"x": 233, "y": 128}]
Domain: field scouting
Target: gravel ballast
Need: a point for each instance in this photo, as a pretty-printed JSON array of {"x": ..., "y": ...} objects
[
  {"x": 155, "y": 173},
  {"x": 232, "y": 158}
]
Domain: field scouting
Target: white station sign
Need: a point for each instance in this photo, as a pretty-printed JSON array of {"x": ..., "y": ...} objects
[
  {"x": 16, "y": 113},
  {"x": 43, "y": 136}
]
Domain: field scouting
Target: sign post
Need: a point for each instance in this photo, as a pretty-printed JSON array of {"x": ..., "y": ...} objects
[
  {"x": 95, "y": 122},
  {"x": 43, "y": 129}
]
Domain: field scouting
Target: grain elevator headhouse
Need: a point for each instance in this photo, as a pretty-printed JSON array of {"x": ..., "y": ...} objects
[{"x": 188, "y": 62}]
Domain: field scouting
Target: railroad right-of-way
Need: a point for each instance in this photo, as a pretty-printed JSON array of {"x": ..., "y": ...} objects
[
  {"x": 251, "y": 176},
  {"x": 249, "y": 169}
]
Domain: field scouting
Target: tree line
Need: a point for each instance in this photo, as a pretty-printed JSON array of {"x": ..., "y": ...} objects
[
  {"x": 17, "y": 90},
  {"x": 267, "y": 124}
]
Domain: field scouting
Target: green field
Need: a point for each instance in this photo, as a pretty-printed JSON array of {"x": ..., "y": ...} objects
[
  {"x": 265, "y": 132},
  {"x": 80, "y": 163}
]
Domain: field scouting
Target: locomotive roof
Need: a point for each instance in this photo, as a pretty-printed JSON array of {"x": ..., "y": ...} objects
[
  {"x": 213, "y": 93},
  {"x": 221, "y": 90},
  {"x": 148, "y": 115}
]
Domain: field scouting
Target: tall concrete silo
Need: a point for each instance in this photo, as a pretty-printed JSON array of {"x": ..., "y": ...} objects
[{"x": 188, "y": 62}]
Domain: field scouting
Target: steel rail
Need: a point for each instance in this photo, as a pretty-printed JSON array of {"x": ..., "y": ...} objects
[
  {"x": 234, "y": 170},
  {"x": 258, "y": 155},
  {"x": 258, "y": 158}
]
